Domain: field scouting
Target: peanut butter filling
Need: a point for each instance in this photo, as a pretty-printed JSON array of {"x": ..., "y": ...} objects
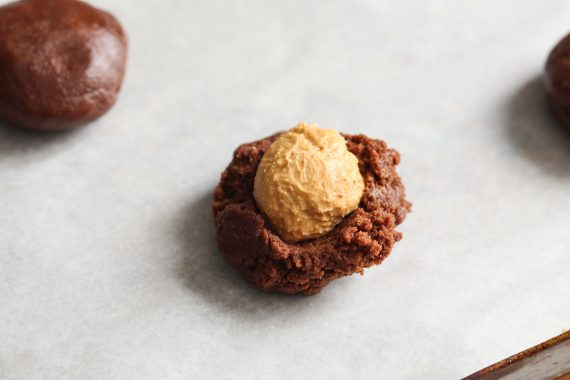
[{"x": 307, "y": 182}]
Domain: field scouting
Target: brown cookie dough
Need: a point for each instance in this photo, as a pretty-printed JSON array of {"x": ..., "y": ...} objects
[
  {"x": 365, "y": 237},
  {"x": 557, "y": 80},
  {"x": 62, "y": 63}
]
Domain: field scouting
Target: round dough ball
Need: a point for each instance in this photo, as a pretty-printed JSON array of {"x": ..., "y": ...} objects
[{"x": 62, "y": 63}]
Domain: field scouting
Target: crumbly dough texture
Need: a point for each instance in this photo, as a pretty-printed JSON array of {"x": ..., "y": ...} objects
[
  {"x": 364, "y": 238},
  {"x": 307, "y": 182}
]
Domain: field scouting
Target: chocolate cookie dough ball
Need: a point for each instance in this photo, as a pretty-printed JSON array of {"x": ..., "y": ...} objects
[
  {"x": 557, "y": 81},
  {"x": 62, "y": 63},
  {"x": 350, "y": 236}
]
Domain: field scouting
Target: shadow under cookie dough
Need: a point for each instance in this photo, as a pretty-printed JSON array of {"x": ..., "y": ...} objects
[
  {"x": 20, "y": 143},
  {"x": 208, "y": 275},
  {"x": 536, "y": 135}
]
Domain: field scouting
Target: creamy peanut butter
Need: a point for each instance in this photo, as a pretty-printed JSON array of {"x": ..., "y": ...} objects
[{"x": 307, "y": 182}]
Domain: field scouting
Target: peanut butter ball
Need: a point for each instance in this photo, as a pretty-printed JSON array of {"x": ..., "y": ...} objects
[{"x": 307, "y": 182}]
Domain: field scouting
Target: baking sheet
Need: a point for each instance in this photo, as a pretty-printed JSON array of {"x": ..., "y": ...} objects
[{"x": 108, "y": 266}]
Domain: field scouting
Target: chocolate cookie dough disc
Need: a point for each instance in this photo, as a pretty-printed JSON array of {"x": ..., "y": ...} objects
[
  {"x": 557, "y": 80},
  {"x": 62, "y": 63},
  {"x": 364, "y": 238}
]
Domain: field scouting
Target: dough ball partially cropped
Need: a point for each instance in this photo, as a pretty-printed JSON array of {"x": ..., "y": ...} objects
[{"x": 557, "y": 80}]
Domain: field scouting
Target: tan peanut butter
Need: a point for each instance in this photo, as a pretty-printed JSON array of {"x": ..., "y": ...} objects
[{"x": 307, "y": 182}]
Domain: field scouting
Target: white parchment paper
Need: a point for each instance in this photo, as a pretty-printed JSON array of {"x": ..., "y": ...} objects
[{"x": 108, "y": 265}]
